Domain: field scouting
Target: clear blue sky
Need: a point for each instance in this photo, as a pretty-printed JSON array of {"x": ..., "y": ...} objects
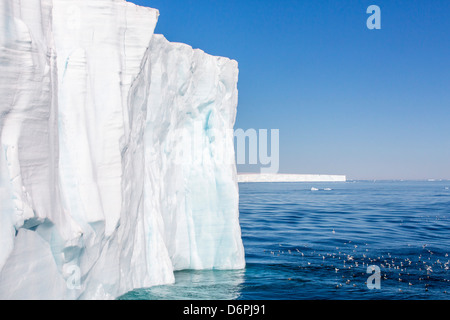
[{"x": 371, "y": 104}]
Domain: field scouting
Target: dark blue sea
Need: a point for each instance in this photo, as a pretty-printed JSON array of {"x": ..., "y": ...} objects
[{"x": 302, "y": 243}]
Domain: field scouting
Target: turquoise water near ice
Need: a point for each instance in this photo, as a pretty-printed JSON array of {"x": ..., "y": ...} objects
[{"x": 302, "y": 244}]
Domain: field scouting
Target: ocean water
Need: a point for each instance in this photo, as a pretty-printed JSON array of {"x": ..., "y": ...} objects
[{"x": 303, "y": 243}]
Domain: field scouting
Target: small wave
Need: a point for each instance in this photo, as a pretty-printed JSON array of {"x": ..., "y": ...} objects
[{"x": 314, "y": 189}]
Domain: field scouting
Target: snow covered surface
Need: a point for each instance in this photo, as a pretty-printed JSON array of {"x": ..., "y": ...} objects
[
  {"x": 115, "y": 155},
  {"x": 250, "y": 177}
]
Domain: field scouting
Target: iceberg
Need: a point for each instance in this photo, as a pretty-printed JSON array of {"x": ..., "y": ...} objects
[{"x": 117, "y": 160}]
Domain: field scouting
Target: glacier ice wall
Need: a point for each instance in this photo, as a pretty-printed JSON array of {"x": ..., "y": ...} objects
[
  {"x": 116, "y": 163},
  {"x": 190, "y": 155},
  {"x": 29, "y": 185}
]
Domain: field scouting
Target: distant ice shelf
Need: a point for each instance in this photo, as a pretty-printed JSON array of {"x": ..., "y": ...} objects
[{"x": 254, "y": 177}]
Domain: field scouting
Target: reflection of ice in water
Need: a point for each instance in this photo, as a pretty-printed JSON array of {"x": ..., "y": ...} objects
[{"x": 195, "y": 285}]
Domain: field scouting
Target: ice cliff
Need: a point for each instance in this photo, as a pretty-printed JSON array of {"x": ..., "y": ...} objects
[{"x": 117, "y": 160}]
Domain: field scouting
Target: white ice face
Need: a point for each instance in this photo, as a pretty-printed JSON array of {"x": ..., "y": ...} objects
[
  {"x": 116, "y": 160},
  {"x": 190, "y": 155}
]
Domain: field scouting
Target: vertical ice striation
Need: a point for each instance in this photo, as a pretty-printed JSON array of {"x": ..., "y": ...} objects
[
  {"x": 190, "y": 155},
  {"x": 104, "y": 81},
  {"x": 116, "y": 163},
  {"x": 34, "y": 230}
]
